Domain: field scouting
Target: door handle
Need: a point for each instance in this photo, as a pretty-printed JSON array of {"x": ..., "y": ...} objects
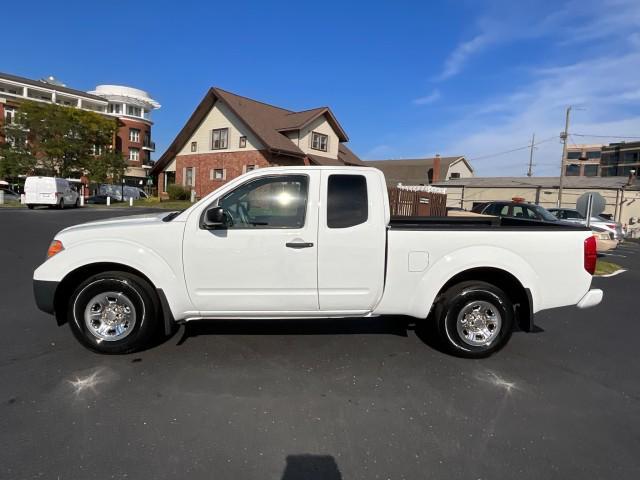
[{"x": 299, "y": 244}]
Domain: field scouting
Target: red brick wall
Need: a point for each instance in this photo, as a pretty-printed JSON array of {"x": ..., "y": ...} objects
[
  {"x": 232, "y": 162},
  {"x": 123, "y": 142}
]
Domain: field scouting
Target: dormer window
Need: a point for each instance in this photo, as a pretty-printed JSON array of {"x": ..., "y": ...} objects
[{"x": 319, "y": 141}]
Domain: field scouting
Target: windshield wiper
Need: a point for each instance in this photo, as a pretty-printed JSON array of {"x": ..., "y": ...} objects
[{"x": 172, "y": 215}]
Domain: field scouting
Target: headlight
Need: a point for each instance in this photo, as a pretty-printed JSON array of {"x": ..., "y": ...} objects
[{"x": 55, "y": 248}]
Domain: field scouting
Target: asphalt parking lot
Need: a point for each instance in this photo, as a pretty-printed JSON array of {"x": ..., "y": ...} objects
[{"x": 335, "y": 399}]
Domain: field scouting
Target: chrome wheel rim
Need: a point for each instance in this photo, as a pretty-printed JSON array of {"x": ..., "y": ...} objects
[
  {"x": 478, "y": 323},
  {"x": 110, "y": 316}
]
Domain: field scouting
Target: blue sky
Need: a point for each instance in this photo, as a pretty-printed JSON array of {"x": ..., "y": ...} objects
[{"x": 406, "y": 79}]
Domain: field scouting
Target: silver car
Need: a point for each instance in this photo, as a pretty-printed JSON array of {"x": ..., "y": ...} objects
[{"x": 572, "y": 215}]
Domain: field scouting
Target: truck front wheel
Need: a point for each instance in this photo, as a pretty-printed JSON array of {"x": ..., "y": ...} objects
[
  {"x": 475, "y": 319},
  {"x": 114, "y": 312}
]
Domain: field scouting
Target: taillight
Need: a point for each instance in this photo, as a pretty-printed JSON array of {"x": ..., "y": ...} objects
[
  {"x": 590, "y": 255},
  {"x": 55, "y": 248}
]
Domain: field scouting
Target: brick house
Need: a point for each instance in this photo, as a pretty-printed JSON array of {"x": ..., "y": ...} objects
[{"x": 228, "y": 135}]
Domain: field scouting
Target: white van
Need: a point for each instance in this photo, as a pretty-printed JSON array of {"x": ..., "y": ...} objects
[{"x": 51, "y": 191}]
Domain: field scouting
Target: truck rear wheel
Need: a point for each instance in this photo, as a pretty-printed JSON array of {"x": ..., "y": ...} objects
[
  {"x": 474, "y": 319},
  {"x": 114, "y": 312}
]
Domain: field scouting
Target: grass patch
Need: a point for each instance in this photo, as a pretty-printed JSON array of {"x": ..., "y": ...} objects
[
  {"x": 12, "y": 205},
  {"x": 154, "y": 202},
  {"x": 604, "y": 268}
]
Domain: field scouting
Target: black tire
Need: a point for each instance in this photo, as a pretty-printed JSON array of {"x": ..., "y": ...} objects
[
  {"x": 140, "y": 332},
  {"x": 61, "y": 204},
  {"x": 466, "y": 295},
  {"x": 77, "y": 204},
  {"x": 30, "y": 207}
]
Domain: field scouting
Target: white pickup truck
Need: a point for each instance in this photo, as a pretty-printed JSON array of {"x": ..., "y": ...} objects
[{"x": 308, "y": 242}]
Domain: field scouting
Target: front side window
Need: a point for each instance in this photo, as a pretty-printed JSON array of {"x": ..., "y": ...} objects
[
  {"x": 134, "y": 154},
  {"x": 219, "y": 138},
  {"x": 134, "y": 135},
  {"x": 319, "y": 141},
  {"x": 347, "y": 201},
  {"x": 268, "y": 202}
]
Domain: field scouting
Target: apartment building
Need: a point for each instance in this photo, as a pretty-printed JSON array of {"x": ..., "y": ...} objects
[{"x": 130, "y": 106}]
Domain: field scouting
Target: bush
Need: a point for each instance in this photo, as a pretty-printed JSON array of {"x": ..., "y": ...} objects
[{"x": 178, "y": 192}]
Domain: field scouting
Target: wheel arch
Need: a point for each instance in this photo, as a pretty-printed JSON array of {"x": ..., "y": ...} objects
[
  {"x": 76, "y": 276},
  {"x": 520, "y": 296}
]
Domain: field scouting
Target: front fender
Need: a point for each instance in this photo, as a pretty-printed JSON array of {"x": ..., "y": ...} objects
[{"x": 134, "y": 255}]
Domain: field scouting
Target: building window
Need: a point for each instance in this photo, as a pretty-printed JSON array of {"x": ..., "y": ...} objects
[
  {"x": 194, "y": 146},
  {"x": 115, "y": 108},
  {"x": 97, "y": 149},
  {"x": 593, "y": 155},
  {"x": 9, "y": 116},
  {"x": 574, "y": 155},
  {"x": 455, "y": 175},
  {"x": 248, "y": 168},
  {"x": 217, "y": 174},
  {"x": 188, "y": 177},
  {"x": 219, "y": 138},
  {"x": 134, "y": 111},
  {"x": 243, "y": 142},
  {"x": 591, "y": 170},
  {"x": 134, "y": 154},
  {"x": 134, "y": 135},
  {"x": 319, "y": 141},
  {"x": 572, "y": 170}
]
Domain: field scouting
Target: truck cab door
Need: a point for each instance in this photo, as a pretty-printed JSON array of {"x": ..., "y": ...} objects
[
  {"x": 264, "y": 261},
  {"x": 351, "y": 241}
]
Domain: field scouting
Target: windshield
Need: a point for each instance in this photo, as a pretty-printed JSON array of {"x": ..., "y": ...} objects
[{"x": 544, "y": 213}]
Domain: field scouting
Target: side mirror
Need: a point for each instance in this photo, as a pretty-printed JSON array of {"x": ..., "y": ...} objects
[{"x": 215, "y": 217}]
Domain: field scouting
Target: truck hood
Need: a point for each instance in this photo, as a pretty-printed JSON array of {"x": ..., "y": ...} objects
[{"x": 135, "y": 221}]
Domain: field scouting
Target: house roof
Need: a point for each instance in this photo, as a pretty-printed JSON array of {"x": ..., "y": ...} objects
[
  {"x": 267, "y": 122},
  {"x": 51, "y": 86},
  {"x": 412, "y": 171},
  {"x": 542, "y": 182}
]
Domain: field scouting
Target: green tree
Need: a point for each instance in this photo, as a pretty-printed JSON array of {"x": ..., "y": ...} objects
[{"x": 52, "y": 139}]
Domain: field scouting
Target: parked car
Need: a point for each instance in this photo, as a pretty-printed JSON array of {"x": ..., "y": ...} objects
[
  {"x": 515, "y": 210},
  {"x": 9, "y": 195},
  {"x": 310, "y": 242},
  {"x": 101, "y": 200},
  {"x": 574, "y": 216},
  {"x": 50, "y": 191},
  {"x": 604, "y": 240},
  {"x": 116, "y": 192}
]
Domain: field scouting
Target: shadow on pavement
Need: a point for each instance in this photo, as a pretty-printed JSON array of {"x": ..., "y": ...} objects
[
  {"x": 339, "y": 326},
  {"x": 311, "y": 467}
]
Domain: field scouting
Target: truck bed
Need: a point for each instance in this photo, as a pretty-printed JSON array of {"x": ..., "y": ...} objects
[{"x": 476, "y": 223}]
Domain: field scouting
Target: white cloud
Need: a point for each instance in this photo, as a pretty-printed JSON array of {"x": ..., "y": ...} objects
[
  {"x": 460, "y": 55},
  {"x": 434, "y": 96},
  {"x": 609, "y": 105}
]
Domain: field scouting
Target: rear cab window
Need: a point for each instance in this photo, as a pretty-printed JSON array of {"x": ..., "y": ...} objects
[{"x": 347, "y": 201}]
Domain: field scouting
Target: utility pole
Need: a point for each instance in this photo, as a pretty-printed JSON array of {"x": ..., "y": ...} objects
[
  {"x": 533, "y": 142},
  {"x": 563, "y": 137}
]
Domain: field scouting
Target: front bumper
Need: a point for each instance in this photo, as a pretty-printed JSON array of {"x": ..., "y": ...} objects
[
  {"x": 44, "y": 292},
  {"x": 592, "y": 298}
]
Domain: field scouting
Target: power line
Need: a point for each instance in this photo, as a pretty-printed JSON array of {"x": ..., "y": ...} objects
[
  {"x": 602, "y": 136},
  {"x": 529, "y": 145}
]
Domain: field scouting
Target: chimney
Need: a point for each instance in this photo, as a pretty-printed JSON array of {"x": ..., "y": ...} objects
[{"x": 436, "y": 168}]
